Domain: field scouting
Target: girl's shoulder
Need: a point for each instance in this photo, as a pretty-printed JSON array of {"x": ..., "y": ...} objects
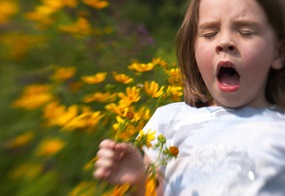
[
  {"x": 174, "y": 109},
  {"x": 177, "y": 111},
  {"x": 177, "y": 107},
  {"x": 180, "y": 110}
]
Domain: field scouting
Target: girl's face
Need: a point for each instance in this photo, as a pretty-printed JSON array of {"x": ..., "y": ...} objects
[{"x": 235, "y": 49}]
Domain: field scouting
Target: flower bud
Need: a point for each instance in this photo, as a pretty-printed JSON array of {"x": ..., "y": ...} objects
[
  {"x": 173, "y": 150},
  {"x": 161, "y": 139}
]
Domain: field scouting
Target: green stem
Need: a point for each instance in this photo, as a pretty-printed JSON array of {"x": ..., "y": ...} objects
[
  {"x": 158, "y": 101},
  {"x": 159, "y": 155},
  {"x": 122, "y": 126}
]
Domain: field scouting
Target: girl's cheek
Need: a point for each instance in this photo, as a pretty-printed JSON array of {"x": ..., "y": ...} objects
[
  {"x": 204, "y": 48},
  {"x": 203, "y": 55}
]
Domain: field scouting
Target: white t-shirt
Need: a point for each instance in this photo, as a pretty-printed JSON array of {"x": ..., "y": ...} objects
[{"x": 222, "y": 152}]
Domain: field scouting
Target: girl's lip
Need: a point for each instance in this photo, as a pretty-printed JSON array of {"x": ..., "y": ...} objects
[
  {"x": 224, "y": 87},
  {"x": 228, "y": 89}
]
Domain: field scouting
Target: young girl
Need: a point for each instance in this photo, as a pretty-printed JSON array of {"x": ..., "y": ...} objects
[{"x": 231, "y": 129}]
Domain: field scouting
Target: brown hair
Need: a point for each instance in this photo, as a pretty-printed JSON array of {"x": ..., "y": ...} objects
[{"x": 195, "y": 91}]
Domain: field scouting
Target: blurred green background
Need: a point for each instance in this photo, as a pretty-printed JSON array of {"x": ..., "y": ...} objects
[{"x": 37, "y": 37}]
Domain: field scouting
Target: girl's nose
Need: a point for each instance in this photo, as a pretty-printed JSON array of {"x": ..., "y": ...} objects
[{"x": 226, "y": 46}]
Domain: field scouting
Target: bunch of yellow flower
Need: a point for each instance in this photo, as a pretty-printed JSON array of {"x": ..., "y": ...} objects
[{"x": 120, "y": 105}]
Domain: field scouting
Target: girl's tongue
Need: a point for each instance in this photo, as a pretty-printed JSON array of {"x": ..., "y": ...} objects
[{"x": 228, "y": 76}]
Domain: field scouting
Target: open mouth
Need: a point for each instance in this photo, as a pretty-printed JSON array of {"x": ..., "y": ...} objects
[{"x": 227, "y": 75}]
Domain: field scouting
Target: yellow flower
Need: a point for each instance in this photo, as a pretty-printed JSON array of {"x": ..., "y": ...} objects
[
  {"x": 118, "y": 190},
  {"x": 63, "y": 73},
  {"x": 55, "y": 4},
  {"x": 125, "y": 127},
  {"x": 132, "y": 95},
  {"x": 158, "y": 61},
  {"x": 84, "y": 188},
  {"x": 174, "y": 76},
  {"x": 42, "y": 15},
  {"x": 49, "y": 147},
  {"x": 117, "y": 109},
  {"x": 97, "y": 78},
  {"x": 144, "y": 139},
  {"x": 58, "y": 115},
  {"x": 138, "y": 119},
  {"x": 45, "y": 10},
  {"x": 127, "y": 132},
  {"x": 84, "y": 120},
  {"x": 34, "y": 96},
  {"x": 7, "y": 9},
  {"x": 141, "y": 67},
  {"x": 19, "y": 44},
  {"x": 142, "y": 114},
  {"x": 128, "y": 114},
  {"x": 175, "y": 92},
  {"x": 120, "y": 122},
  {"x": 122, "y": 78},
  {"x": 21, "y": 140},
  {"x": 129, "y": 123},
  {"x": 153, "y": 90},
  {"x": 97, "y": 4},
  {"x": 28, "y": 170},
  {"x": 100, "y": 97},
  {"x": 80, "y": 27},
  {"x": 150, "y": 186},
  {"x": 69, "y": 3}
]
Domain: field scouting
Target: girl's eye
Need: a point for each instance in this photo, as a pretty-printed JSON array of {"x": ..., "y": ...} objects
[
  {"x": 246, "y": 33},
  {"x": 209, "y": 35}
]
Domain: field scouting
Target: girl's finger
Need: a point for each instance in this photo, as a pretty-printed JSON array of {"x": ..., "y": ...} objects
[
  {"x": 105, "y": 163},
  {"x": 102, "y": 173},
  {"x": 106, "y": 153},
  {"x": 125, "y": 148},
  {"x": 107, "y": 144}
]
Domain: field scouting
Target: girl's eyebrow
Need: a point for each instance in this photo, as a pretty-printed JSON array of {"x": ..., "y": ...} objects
[
  {"x": 208, "y": 25},
  {"x": 238, "y": 23},
  {"x": 247, "y": 23}
]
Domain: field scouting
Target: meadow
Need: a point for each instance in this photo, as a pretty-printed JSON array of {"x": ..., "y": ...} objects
[{"x": 75, "y": 72}]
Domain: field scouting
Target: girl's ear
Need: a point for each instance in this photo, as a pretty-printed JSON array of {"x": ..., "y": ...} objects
[{"x": 279, "y": 61}]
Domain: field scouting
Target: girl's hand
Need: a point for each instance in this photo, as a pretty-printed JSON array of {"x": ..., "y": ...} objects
[{"x": 119, "y": 163}]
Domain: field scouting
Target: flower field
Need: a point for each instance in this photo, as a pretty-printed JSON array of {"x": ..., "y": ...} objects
[{"x": 75, "y": 72}]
